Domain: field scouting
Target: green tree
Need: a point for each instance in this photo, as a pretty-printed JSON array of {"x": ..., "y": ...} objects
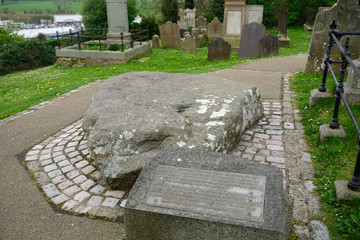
[
  {"x": 170, "y": 9},
  {"x": 218, "y": 9},
  {"x": 189, "y": 4},
  {"x": 7, "y": 36},
  {"x": 95, "y": 15}
]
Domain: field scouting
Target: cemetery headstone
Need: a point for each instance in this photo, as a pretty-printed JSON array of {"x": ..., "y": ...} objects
[
  {"x": 269, "y": 46},
  {"x": 219, "y": 49},
  {"x": 197, "y": 194},
  {"x": 254, "y": 13},
  {"x": 346, "y": 13},
  {"x": 195, "y": 32},
  {"x": 188, "y": 43},
  {"x": 284, "y": 40},
  {"x": 199, "y": 40},
  {"x": 164, "y": 111},
  {"x": 117, "y": 16},
  {"x": 189, "y": 17},
  {"x": 170, "y": 35},
  {"x": 352, "y": 85},
  {"x": 181, "y": 22},
  {"x": 155, "y": 41},
  {"x": 201, "y": 22},
  {"x": 250, "y": 40},
  {"x": 214, "y": 29},
  {"x": 234, "y": 19}
]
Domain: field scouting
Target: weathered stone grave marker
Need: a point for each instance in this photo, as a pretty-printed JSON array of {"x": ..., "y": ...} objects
[
  {"x": 352, "y": 85},
  {"x": 250, "y": 40},
  {"x": 201, "y": 23},
  {"x": 269, "y": 46},
  {"x": 214, "y": 29},
  {"x": 193, "y": 194},
  {"x": 284, "y": 40},
  {"x": 117, "y": 16},
  {"x": 170, "y": 35},
  {"x": 346, "y": 13},
  {"x": 219, "y": 50},
  {"x": 155, "y": 41},
  {"x": 188, "y": 43}
]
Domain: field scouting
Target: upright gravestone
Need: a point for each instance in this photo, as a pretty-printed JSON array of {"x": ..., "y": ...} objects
[
  {"x": 254, "y": 13},
  {"x": 189, "y": 17},
  {"x": 347, "y": 15},
  {"x": 352, "y": 85},
  {"x": 117, "y": 16},
  {"x": 250, "y": 40},
  {"x": 201, "y": 22},
  {"x": 199, "y": 40},
  {"x": 219, "y": 50},
  {"x": 284, "y": 40},
  {"x": 269, "y": 46},
  {"x": 195, "y": 194},
  {"x": 155, "y": 41},
  {"x": 195, "y": 32},
  {"x": 170, "y": 35},
  {"x": 214, "y": 29},
  {"x": 234, "y": 19},
  {"x": 188, "y": 43}
]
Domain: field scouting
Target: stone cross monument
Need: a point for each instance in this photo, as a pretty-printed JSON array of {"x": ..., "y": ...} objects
[{"x": 117, "y": 16}]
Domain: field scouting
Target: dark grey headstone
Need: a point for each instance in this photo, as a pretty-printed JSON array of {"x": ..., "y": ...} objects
[
  {"x": 219, "y": 49},
  {"x": 250, "y": 40},
  {"x": 196, "y": 194},
  {"x": 269, "y": 46}
]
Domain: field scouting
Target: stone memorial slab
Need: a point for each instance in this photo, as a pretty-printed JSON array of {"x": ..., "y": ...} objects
[
  {"x": 170, "y": 35},
  {"x": 219, "y": 49},
  {"x": 254, "y": 13},
  {"x": 269, "y": 46},
  {"x": 201, "y": 22},
  {"x": 352, "y": 85},
  {"x": 164, "y": 111},
  {"x": 117, "y": 16},
  {"x": 155, "y": 41},
  {"x": 234, "y": 25},
  {"x": 188, "y": 44},
  {"x": 189, "y": 17},
  {"x": 214, "y": 29},
  {"x": 250, "y": 40},
  {"x": 234, "y": 19},
  {"x": 198, "y": 194},
  {"x": 346, "y": 13}
]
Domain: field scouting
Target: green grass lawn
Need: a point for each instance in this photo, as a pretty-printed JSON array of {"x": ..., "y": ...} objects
[
  {"x": 334, "y": 159},
  {"x": 20, "y": 6},
  {"x": 19, "y": 91}
]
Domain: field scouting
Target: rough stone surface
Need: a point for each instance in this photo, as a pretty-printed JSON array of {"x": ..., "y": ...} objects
[
  {"x": 219, "y": 50},
  {"x": 214, "y": 29},
  {"x": 250, "y": 40},
  {"x": 346, "y": 13},
  {"x": 269, "y": 46},
  {"x": 155, "y": 41},
  {"x": 352, "y": 85},
  {"x": 144, "y": 212},
  {"x": 343, "y": 192},
  {"x": 188, "y": 43},
  {"x": 316, "y": 96},
  {"x": 195, "y": 32},
  {"x": 201, "y": 22},
  {"x": 136, "y": 115},
  {"x": 319, "y": 231},
  {"x": 326, "y": 131},
  {"x": 170, "y": 35}
]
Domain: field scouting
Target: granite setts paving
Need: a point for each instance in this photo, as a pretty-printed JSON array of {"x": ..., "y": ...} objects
[{"x": 61, "y": 166}]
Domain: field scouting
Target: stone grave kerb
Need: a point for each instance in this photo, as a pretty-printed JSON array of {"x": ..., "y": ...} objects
[{"x": 117, "y": 16}]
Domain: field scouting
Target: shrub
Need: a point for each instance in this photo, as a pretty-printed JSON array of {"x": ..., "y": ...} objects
[
  {"x": 25, "y": 55},
  {"x": 170, "y": 9},
  {"x": 6, "y": 36},
  {"x": 149, "y": 22}
]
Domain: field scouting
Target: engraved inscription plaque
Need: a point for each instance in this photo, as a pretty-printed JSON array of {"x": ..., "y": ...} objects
[
  {"x": 233, "y": 195},
  {"x": 233, "y": 26}
]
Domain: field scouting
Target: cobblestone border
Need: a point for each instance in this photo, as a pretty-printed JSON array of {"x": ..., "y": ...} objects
[
  {"x": 67, "y": 178},
  {"x": 43, "y": 104}
]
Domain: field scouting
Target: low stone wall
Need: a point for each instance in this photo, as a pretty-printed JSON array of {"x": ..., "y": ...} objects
[{"x": 92, "y": 57}]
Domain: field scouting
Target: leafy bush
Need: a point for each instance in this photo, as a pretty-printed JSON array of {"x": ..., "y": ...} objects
[
  {"x": 170, "y": 9},
  {"x": 25, "y": 55},
  {"x": 6, "y": 36},
  {"x": 150, "y": 22}
]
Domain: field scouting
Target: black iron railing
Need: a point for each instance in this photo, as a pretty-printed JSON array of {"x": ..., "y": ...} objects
[
  {"x": 97, "y": 37},
  {"x": 335, "y": 36}
]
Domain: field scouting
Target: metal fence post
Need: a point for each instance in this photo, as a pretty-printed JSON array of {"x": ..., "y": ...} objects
[
  {"x": 122, "y": 41},
  {"x": 79, "y": 42},
  {"x": 58, "y": 40},
  {"x": 71, "y": 39},
  {"x": 340, "y": 87},
  {"x": 354, "y": 183}
]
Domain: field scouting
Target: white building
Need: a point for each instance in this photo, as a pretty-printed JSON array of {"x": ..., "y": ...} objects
[{"x": 67, "y": 19}]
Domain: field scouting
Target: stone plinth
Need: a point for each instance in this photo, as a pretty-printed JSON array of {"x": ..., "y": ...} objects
[
  {"x": 117, "y": 16},
  {"x": 326, "y": 131},
  {"x": 234, "y": 19},
  {"x": 136, "y": 115},
  {"x": 316, "y": 96},
  {"x": 284, "y": 42},
  {"x": 198, "y": 194},
  {"x": 343, "y": 192}
]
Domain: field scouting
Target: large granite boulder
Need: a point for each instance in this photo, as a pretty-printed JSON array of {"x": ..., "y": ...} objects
[
  {"x": 136, "y": 115},
  {"x": 347, "y": 16}
]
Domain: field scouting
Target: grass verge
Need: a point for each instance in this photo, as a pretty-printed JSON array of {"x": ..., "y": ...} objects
[
  {"x": 334, "y": 159},
  {"x": 19, "y": 91},
  {"x": 20, "y": 6}
]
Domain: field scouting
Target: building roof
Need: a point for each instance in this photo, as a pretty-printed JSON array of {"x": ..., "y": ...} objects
[
  {"x": 67, "y": 18},
  {"x": 31, "y": 33}
]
